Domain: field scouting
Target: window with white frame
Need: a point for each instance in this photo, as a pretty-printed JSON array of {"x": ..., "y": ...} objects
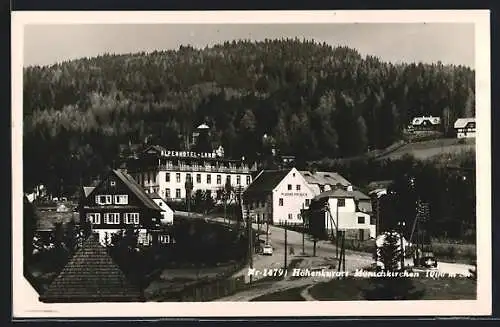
[
  {"x": 280, "y": 202},
  {"x": 167, "y": 193},
  {"x": 111, "y": 218},
  {"x": 121, "y": 199},
  {"x": 290, "y": 216},
  {"x": 178, "y": 193},
  {"x": 94, "y": 217},
  {"x": 248, "y": 180},
  {"x": 297, "y": 187},
  {"x": 361, "y": 220},
  {"x": 209, "y": 179},
  {"x": 103, "y": 199},
  {"x": 132, "y": 218},
  {"x": 238, "y": 179},
  {"x": 178, "y": 177}
]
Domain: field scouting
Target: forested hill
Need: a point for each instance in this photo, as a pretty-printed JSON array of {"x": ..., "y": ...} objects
[{"x": 313, "y": 100}]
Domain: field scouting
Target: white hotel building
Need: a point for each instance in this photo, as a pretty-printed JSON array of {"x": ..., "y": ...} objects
[
  {"x": 277, "y": 196},
  {"x": 166, "y": 172}
]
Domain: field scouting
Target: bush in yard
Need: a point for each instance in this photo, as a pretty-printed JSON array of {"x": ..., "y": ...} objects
[{"x": 389, "y": 287}]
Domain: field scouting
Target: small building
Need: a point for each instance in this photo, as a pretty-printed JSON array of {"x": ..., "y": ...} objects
[
  {"x": 465, "y": 127},
  {"x": 277, "y": 197},
  {"x": 167, "y": 214},
  {"x": 425, "y": 123},
  {"x": 117, "y": 203},
  {"x": 91, "y": 275},
  {"x": 337, "y": 209},
  {"x": 321, "y": 181}
]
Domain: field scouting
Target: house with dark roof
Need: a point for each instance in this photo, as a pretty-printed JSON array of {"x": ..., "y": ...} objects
[
  {"x": 321, "y": 181},
  {"x": 340, "y": 209},
  {"x": 167, "y": 213},
  {"x": 118, "y": 203},
  {"x": 91, "y": 275},
  {"x": 277, "y": 196},
  {"x": 465, "y": 127}
]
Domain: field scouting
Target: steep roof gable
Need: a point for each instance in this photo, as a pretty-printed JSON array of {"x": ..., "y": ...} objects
[
  {"x": 462, "y": 122},
  {"x": 133, "y": 186},
  {"x": 91, "y": 275},
  {"x": 267, "y": 181}
]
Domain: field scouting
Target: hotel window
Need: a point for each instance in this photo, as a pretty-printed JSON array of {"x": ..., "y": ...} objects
[
  {"x": 121, "y": 199},
  {"x": 219, "y": 179},
  {"x": 361, "y": 220},
  {"x": 299, "y": 217},
  {"x": 132, "y": 218},
  {"x": 228, "y": 179},
  {"x": 111, "y": 218},
  {"x": 297, "y": 187},
  {"x": 103, "y": 199},
  {"x": 94, "y": 218},
  {"x": 188, "y": 177},
  {"x": 178, "y": 177},
  {"x": 341, "y": 202},
  {"x": 238, "y": 179},
  {"x": 198, "y": 178},
  {"x": 209, "y": 179},
  {"x": 167, "y": 193},
  {"x": 167, "y": 177},
  {"x": 290, "y": 216},
  {"x": 248, "y": 180},
  {"x": 289, "y": 187},
  {"x": 178, "y": 193},
  {"x": 280, "y": 202}
]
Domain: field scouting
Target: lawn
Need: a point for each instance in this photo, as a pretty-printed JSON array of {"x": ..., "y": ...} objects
[
  {"x": 292, "y": 294},
  {"x": 351, "y": 289},
  {"x": 428, "y": 149}
]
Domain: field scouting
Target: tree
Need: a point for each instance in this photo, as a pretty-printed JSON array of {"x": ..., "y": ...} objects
[{"x": 388, "y": 287}]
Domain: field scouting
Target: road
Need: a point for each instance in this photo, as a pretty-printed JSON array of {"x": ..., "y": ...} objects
[{"x": 325, "y": 255}]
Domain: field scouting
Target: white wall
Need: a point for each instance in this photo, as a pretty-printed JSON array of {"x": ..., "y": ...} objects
[
  {"x": 173, "y": 184},
  {"x": 293, "y": 200},
  {"x": 102, "y": 235},
  {"x": 461, "y": 135},
  {"x": 347, "y": 217},
  {"x": 167, "y": 214}
]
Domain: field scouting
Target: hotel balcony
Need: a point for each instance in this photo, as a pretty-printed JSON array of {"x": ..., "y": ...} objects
[{"x": 210, "y": 169}]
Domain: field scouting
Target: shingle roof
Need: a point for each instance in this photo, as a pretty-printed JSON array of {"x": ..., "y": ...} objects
[
  {"x": 336, "y": 193},
  {"x": 266, "y": 181},
  {"x": 154, "y": 195},
  {"x": 324, "y": 178},
  {"x": 136, "y": 189},
  {"x": 462, "y": 122},
  {"x": 91, "y": 275}
]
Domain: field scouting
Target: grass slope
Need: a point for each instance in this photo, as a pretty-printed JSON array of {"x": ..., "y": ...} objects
[{"x": 428, "y": 149}]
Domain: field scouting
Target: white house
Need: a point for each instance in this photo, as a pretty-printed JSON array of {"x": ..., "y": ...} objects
[
  {"x": 465, "y": 127},
  {"x": 167, "y": 214},
  {"x": 339, "y": 210},
  {"x": 277, "y": 196},
  {"x": 424, "y": 123}
]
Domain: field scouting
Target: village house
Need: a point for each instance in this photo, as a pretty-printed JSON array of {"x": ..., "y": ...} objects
[
  {"x": 465, "y": 127},
  {"x": 338, "y": 209},
  {"x": 277, "y": 197},
  {"x": 424, "y": 123},
  {"x": 117, "y": 203}
]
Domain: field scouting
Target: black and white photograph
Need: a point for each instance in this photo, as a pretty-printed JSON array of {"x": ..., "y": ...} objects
[{"x": 186, "y": 164}]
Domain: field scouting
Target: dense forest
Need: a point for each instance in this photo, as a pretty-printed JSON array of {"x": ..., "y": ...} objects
[{"x": 312, "y": 100}]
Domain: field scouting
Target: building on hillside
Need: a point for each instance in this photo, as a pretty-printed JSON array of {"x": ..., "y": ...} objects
[
  {"x": 91, "y": 275},
  {"x": 117, "y": 203},
  {"x": 424, "y": 123},
  {"x": 167, "y": 214},
  {"x": 166, "y": 172},
  {"x": 465, "y": 127},
  {"x": 337, "y": 209},
  {"x": 277, "y": 197},
  {"x": 321, "y": 181}
]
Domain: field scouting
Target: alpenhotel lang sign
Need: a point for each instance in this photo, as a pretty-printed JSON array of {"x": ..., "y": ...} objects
[{"x": 293, "y": 194}]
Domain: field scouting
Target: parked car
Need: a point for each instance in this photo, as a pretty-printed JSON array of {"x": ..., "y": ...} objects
[
  {"x": 427, "y": 260},
  {"x": 267, "y": 249}
]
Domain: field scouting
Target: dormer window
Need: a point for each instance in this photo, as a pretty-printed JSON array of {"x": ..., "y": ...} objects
[{"x": 112, "y": 183}]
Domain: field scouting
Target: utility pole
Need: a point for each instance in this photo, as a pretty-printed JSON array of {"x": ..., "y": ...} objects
[
  {"x": 267, "y": 230},
  {"x": 250, "y": 243},
  {"x": 401, "y": 225},
  {"x": 303, "y": 229},
  {"x": 337, "y": 229},
  {"x": 286, "y": 243}
]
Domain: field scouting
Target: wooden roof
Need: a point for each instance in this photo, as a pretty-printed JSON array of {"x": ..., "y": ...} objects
[{"x": 91, "y": 275}]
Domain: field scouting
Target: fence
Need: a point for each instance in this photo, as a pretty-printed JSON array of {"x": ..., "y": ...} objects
[{"x": 213, "y": 290}]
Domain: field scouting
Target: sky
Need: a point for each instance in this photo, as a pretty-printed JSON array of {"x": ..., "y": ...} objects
[{"x": 450, "y": 43}]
